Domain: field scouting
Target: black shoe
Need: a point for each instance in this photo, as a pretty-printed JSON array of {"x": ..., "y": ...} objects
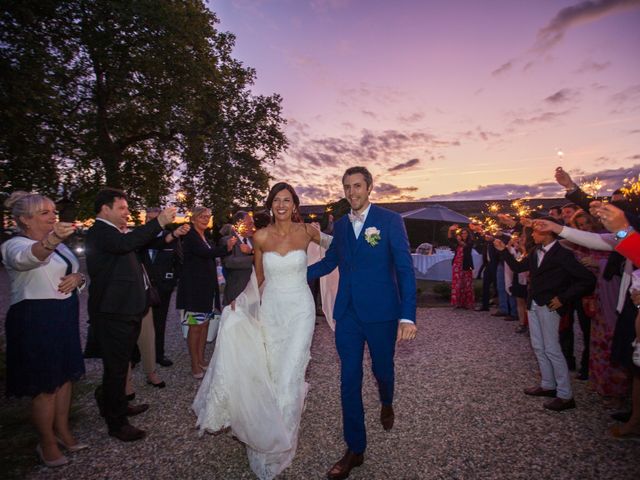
[
  {"x": 498, "y": 313},
  {"x": 133, "y": 410},
  {"x": 157, "y": 385},
  {"x": 481, "y": 309},
  {"x": 164, "y": 362},
  {"x": 128, "y": 433},
  {"x": 131, "y": 396},
  {"x": 509, "y": 318},
  {"x": 621, "y": 416},
  {"x": 582, "y": 376}
]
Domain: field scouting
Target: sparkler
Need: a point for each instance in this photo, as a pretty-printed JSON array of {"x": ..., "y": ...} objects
[
  {"x": 241, "y": 228},
  {"x": 592, "y": 187},
  {"x": 631, "y": 186},
  {"x": 494, "y": 207}
]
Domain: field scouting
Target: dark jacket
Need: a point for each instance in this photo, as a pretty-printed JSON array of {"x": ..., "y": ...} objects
[
  {"x": 559, "y": 275},
  {"x": 161, "y": 259},
  {"x": 117, "y": 284},
  {"x": 238, "y": 267},
  {"x": 467, "y": 257},
  {"x": 198, "y": 289}
]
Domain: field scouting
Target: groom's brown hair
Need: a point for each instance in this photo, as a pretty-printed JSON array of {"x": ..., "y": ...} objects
[{"x": 363, "y": 170}]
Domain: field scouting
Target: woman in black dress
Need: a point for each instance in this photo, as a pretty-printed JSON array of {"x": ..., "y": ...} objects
[{"x": 198, "y": 292}]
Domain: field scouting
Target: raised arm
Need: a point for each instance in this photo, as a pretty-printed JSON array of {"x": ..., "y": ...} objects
[{"x": 505, "y": 254}]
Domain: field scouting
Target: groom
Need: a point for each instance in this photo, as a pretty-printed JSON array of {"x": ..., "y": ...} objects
[{"x": 376, "y": 304}]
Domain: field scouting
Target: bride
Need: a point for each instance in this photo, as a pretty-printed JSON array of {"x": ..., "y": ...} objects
[{"x": 255, "y": 385}]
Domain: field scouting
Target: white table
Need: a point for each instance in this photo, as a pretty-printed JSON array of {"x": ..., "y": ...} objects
[{"x": 438, "y": 266}]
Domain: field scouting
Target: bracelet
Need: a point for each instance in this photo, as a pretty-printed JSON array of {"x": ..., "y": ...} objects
[
  {"x": 52, "y": 243},
  {"x": 57, "y": 236},
  {"x": 83, "y": 279},
  {"x": 47, "y": 246}
]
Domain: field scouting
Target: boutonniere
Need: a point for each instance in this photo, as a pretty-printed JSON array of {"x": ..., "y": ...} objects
[{"x": 372, "y": 236}]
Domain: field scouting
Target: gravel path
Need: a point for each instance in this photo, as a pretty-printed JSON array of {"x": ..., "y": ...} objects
[{"x": 460, "y": 414}]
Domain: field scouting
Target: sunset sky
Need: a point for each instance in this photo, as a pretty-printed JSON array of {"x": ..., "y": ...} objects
[{"x": 454, "y": 99}]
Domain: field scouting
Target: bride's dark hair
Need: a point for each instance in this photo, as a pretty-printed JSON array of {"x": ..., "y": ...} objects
[{"x": 277, "y": 188}]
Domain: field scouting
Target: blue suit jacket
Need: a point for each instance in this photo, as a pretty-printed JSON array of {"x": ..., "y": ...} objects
[{"x": 378, "y": 280}]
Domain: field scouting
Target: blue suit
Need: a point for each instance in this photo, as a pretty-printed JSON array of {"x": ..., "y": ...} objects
[{"x": 377, "y": 288}]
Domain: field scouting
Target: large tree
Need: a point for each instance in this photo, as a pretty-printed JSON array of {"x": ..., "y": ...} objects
[{"x": 138, "y": 94}]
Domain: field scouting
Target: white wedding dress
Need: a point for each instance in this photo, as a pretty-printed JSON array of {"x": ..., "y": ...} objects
[{"x": 255, "y": 383}]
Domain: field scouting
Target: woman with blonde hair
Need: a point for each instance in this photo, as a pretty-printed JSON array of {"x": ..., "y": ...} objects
[
  {"x": 42, "y": 332},
  {"x": 198, "y": 293}
]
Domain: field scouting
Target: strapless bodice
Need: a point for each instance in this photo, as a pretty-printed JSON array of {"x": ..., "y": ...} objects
[{"x": 285, "y": 272}]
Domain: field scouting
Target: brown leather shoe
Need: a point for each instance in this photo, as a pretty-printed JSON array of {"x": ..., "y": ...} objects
[
  {"x": 539, "y": 392},
  {"x": 560, "y": 404},
  {"x": 342, "y": 469},
  {"x": 387, "y": 416},
  {"x": 133, "y": 410},
  {"x": 128, "y": 433}
]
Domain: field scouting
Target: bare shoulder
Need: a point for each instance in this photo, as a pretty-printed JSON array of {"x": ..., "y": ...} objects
[{"x": 260, "y": 237}]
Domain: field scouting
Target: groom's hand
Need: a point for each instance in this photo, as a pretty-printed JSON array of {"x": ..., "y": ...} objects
[{"x": 406, "y": 331}]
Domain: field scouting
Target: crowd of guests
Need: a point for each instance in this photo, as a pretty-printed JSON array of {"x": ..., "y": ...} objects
[
  {"x": 576, "y": 263},
  {"x": 132, "y": 275},
  {"x": 579, "y": 262}
]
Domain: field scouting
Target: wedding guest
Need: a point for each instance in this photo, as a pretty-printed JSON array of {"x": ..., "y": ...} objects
[
  {"x": 162, "y": 265},
  {"x": 555, "y": 212},
  {"x": 507, "y": 305},
  {"x": 520, "y": 247},
  {"x": 568, "y": 211},
  {"x": 627, "y": 328},
  {"x": 617, "y": 222},
  {"x": 556, "y": 279},
  {"x": 490, "y": 257},
  {"x": 158, "y": 263},
  {"x": 238, "y": 265},
  {"x": 118, "y": 298},
  {"x": 261, "y": 219},
  {"x": 461, "y": 242},
  {"x": 609, "y": 380},
  {"x": 42, "y": 332},
  {"x": 198, "y": 293}
]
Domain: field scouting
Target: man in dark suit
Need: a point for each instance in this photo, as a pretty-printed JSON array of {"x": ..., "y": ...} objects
[
  {"x": 117, "y": 301},
  {"x": 161, "y": 265},
  {"x": 238, "y": 265},
  {"x": 556, "y": 280}
]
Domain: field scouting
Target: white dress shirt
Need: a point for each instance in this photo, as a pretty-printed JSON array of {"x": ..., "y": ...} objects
[
  {"x": 31, "y": 278},
  {"x": 543, "y": 250},
  {"x": 357, "y": 225}
]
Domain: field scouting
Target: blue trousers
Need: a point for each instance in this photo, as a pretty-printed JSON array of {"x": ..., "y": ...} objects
[{"x": 351, "y": 336}]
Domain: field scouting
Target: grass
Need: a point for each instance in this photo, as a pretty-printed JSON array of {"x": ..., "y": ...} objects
[{"x": 432, "y": 293}]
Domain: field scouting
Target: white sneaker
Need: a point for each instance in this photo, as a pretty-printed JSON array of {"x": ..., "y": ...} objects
[{"x": 636, "y": 353}]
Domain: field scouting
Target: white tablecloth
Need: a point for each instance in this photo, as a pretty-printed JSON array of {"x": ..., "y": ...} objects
[
  {"x": 422, "y": 263},
  {"x": 438, "y": 266}
]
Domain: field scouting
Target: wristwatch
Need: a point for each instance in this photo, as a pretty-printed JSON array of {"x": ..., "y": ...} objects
[{"x": 624, "y": 233}]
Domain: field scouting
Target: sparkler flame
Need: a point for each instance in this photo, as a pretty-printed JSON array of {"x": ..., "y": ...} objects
[{"x": 592, "y": 187}]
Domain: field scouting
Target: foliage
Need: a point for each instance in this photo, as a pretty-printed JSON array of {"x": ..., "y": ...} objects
[
  {"x": 442, "y": 290},
  {"x": 142, "y": 95}
]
